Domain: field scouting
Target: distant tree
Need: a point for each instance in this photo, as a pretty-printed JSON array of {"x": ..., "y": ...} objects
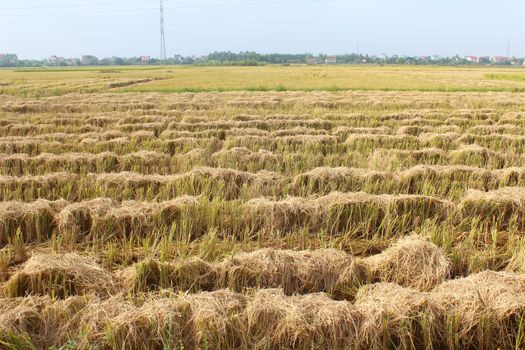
[
  {"x": 89, "y": 60},
  {"x": 8, "y": 60}
]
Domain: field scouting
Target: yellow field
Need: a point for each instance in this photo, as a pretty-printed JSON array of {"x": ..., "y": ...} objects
[
  {"x": 262, "y": 219},
  {"x": 57, "y": 81}
]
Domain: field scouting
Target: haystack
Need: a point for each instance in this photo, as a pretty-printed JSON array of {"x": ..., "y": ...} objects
[
  {"x": 343, "y": 132},
  {"x": 216, "y": 316},
  {"x": 411, "y": 262},
  {"x": 474, "y": 155},
  {"x": 75, "y": 162},
  {"x": 369, "y": 142},
  {"x": 282, "y": 216},
  {"x": 186, "y": 275},
  {"x": 34, "y": 221},
  {"x": 28, "y": 187},
  {"x": 324, "y": 270},
  {"x": 60, "y": 276},
  {"x": 297, "y": 131},
  {"x": 142, "y": 135},
  {"x": 129, "y": 181},
  {"x": 509, "y": 177},
  {"x": 364, "y": 214},
  {"x": 395, "y": 159},
  {"x": 444, "y": 179},
  {"x": 102, "y": 219},
  {"x": 243, "y": 158},
  {"x": 324, "y": 180},
  {"x": 502, "y": 208},
  {"x": 517, "y": 262},
  {"x": 484, "y": 310},
  {"x": 359, "y": 212},
  {"x": 77, "y": 220},
  {"x": 39, "y": 322},
  {"x": 496, "y": 129},
  {"x": 397, "y": 317},
  {"x": 227, "y": 183},
  {"x": 314, "y": 321},
  {"x": 14, "y": 164},
  {"x": 442, "y": 140},
  {"x": 415, "y": 209},
  {"x": 309, "y": 141},
  {"x": 158, "y": 324},
  {"x": 231, "y": 156},
  {"x": 145, "y": 158}
]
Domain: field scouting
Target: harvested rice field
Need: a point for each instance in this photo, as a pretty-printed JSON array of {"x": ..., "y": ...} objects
[{"x": 355, "y": 219}]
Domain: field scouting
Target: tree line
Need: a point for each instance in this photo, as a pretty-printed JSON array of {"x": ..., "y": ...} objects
[{"x": 249, "y": 58}]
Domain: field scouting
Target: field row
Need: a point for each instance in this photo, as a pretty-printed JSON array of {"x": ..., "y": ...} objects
[
  {"x": 278, "y": 102},
  {"x": 482, "y": 311},
  {"x": 243, "y": 159},
  {"x": 296, "y": 272},
  {"x": 315, "y": 145},
  {"x": 283, "y": 128},
  {"x": 264, "y": 125},
  {"x": 248, "y": 220},
  {"x": 358, "y": 215},
  {"x": 223, "y": 183}
]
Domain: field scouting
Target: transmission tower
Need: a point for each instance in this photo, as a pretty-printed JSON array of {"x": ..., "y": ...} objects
[{"x": 162, "y": 37}]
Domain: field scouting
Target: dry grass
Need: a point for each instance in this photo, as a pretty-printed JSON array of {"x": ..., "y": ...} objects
[
  {"x": 326, "y": 180},
  {"x": 158, "y": 324},
  {"x": 60, "y": 276},
  {"x": 39, "y": 322},
  {"x": 484, "y": 310},
  {"x": 412, "y": 262},
  {"x": 193, "y": 274},
  {"x": 31, "y": 222},
  {"x": 260, "y": 220},
  {"x": 104, "y": 220},
  {"x": 328, "y": 270},
  {"x": 275, "y": 321},
  {"x": 503, "y": 208},
  {"x": 397, "y": 317}
]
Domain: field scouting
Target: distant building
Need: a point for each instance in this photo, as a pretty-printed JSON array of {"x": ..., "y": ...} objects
[
  {"x": 500, "y": 59},
  {"x": 436, "y": 57},
  {"x": 484, "y": 59},
  {"x": 145, "y": 59},
  {"x": 312, "y": 60},
  {"x": 330, "y": 60},
  {"x": 178, "y": 58},
  {"x": 473, "y": 59}
]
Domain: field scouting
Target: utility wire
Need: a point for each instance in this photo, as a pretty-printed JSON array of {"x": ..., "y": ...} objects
[
  {"x": 238, "y": 4},
  {"x": 76, "y": 5}
]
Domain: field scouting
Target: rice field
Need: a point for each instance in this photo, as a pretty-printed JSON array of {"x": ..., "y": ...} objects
[{"x": 359, "y": 219}]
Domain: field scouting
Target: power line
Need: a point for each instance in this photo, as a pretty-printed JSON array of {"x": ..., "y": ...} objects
[
  {"x": 156, "y": 34},
  {"x": 238, "y": 4},
  {"x": 74, "y": 5}
]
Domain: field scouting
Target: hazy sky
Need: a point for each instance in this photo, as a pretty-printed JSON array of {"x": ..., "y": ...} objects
[{"x": 38, "y": 29}]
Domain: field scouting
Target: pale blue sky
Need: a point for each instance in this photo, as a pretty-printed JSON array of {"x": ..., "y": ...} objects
[{"x": 38, "y": 29}]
